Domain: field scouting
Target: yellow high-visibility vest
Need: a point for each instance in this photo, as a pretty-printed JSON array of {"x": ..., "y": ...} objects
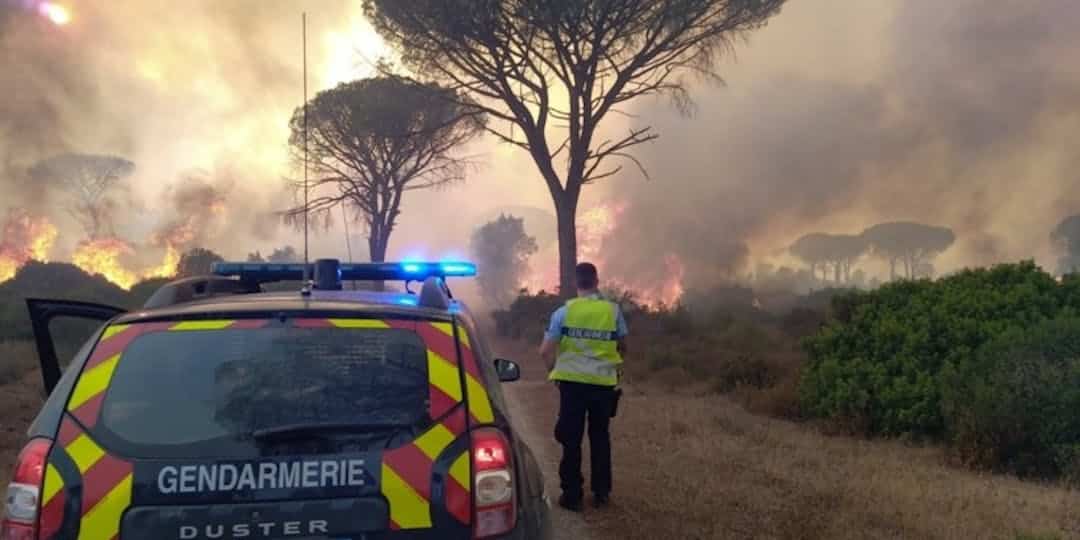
[{"x": 588, "y": 350}]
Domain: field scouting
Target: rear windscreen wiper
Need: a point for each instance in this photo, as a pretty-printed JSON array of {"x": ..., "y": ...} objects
[{"x": 322, "y": 428}]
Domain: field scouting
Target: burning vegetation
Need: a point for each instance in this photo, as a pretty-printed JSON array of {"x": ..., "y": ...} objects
[
  {"x": 25, "y": 237},
  {"x": 597, "y": 227}
]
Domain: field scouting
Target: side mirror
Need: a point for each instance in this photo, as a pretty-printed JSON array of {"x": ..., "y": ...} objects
[{"x": 508, "y": 370}]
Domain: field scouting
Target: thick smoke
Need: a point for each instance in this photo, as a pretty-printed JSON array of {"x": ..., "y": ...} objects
[
  {"x": 173, "y": 87},
  {"x": 960, "y": 114},
  {"x": 837, "y": 116}
]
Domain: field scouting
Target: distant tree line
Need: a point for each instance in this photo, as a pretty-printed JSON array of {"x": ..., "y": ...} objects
[{"x": 908, "y": 247}]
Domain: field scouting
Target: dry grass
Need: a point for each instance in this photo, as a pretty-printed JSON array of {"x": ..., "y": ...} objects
[
  {"x": 697, "y": 465},
  {"x": 16, "y": 358},
  {"x": 702, "y": 467},
  {"x": 20, "y": 400}
]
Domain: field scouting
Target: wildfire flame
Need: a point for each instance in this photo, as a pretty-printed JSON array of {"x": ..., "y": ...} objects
[
  {"x": 106, "y": 256},
  {"x": 102, "y": 256},
  {"x": 25, "y": 237},
  {"x": 594, "y": 226},
  {"x": 167, "y": 268}
]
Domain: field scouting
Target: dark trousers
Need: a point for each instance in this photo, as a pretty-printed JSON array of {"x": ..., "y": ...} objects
[{"x": 576, "y": 402}]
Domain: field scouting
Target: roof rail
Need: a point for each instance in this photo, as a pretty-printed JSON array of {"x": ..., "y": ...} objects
[
  {"x": 385, "y": 271},
  {"x": 197, "y": 288}
]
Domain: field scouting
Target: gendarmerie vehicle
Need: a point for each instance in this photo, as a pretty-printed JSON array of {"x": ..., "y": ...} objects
[{"x": 222, "y": 411}]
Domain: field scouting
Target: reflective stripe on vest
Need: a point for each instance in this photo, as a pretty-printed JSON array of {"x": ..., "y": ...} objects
[{"x": 588, "y": 350}]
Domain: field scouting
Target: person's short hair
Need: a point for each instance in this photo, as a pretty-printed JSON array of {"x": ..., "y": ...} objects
[{"x": 586, "y": 276}]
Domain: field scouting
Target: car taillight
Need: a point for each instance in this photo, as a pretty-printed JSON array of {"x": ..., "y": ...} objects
[
  {"x": 21, "y": 505},
  {"x": 493, "y": 492}
]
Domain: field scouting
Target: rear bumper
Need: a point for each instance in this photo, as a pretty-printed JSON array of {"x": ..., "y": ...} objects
[{"x": 535, "y": 525}]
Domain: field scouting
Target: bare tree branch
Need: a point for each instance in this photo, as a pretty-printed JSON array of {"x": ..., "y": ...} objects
[{"x": 520, "y": 59}]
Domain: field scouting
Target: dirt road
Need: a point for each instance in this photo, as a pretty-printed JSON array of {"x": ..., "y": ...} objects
[{"x": 531, "y": 406}]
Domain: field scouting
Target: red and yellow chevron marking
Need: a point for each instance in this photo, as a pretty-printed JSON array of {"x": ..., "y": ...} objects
[
  {"x": 53, "y": 499},
  {"x": 406, "y": 475},
  {"x": 439, "y": 338},
  {"x": 85, "y": 402},
  {"x": 458, "y": 492},
  {"x": 106, "y": 484}
]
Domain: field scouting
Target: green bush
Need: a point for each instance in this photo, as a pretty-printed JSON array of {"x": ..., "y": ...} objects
[
  {"x": 879, "y": 362},
  {"x": 1014, "y": 407},
  {"x": 527, "y": 316}
]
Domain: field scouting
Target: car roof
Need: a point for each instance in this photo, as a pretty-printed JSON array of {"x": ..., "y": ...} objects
[{"x": 343, "y": 303}]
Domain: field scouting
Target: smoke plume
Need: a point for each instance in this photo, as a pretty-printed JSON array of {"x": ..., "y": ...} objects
[
  {"x": 839, "y": 116},
  {"x": 176, "y": 87}
]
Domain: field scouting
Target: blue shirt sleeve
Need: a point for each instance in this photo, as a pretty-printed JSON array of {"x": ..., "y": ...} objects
[
  {"x": 621, "y": 330},
  {"x": 554, "y": 330}
]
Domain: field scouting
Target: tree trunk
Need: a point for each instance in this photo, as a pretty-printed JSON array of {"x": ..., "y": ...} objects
[
  {"x": 377, "y": 243},
  {"x": 566, "y": 214},
  {"x": 892, "y": 268},
  {"x": 837, "y": 266}
]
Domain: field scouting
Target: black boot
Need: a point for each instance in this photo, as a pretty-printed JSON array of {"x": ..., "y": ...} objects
[{"x": 572, "y": 504}]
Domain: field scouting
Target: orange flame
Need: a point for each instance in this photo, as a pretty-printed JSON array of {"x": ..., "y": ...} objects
[
  {"x": 167, "y": 268},
  {"x": 102, "y": 256},
  {"x": 25, "y": 237},
  {"x": 8, "y": 266},
  {"x": 595, "y": 226}
]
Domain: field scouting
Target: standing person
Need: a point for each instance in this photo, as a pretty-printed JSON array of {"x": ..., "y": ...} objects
[{"x": 589, "y": 334}]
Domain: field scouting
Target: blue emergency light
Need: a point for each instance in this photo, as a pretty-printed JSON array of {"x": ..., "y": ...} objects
[{"x": 387, "y": 271}]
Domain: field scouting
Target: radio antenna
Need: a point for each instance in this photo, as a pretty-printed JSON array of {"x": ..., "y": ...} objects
[
  {"x": 307, "y": 275},
  {"x": 348, "y": 241}
]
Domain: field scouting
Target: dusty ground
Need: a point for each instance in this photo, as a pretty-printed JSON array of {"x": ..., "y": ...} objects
[
  {"x": 700, "y": 466},
  {"x": 20, "y": 400},
  {"x": 528, "y": 402}
]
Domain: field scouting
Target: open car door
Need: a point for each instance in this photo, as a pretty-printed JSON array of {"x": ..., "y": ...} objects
[{"x": 42, "y": 313}]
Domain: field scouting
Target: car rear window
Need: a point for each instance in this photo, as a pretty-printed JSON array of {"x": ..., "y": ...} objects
[{"x": 207, "y": 392}]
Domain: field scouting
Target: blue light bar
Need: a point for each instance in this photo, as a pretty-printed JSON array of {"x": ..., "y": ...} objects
[{"x": 390, "y": 271}]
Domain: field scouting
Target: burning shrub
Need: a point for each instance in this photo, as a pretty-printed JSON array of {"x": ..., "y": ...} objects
[{"x": 23, "y": 238}]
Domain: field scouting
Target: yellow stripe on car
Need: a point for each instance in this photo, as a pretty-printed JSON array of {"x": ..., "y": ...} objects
[
  {"x": 434, "y": 440},
  {"x": 201, "y": 325},
  {"x": 53, "y": 484},
  {"x": 113, "y": 330},
  {"x": 102, "y": 522},
  {"x": 479, "y": 404},
  {"x": 93, "y": 382},
  {"x": 84, "y": 452},
  {"x": 444, "y": 375},
  {"x": 448, "y": 329},
  {"x": 407, "y": 508},
  {"x": 459, "y": 470},
  {"x": 358, "y": 323}
]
